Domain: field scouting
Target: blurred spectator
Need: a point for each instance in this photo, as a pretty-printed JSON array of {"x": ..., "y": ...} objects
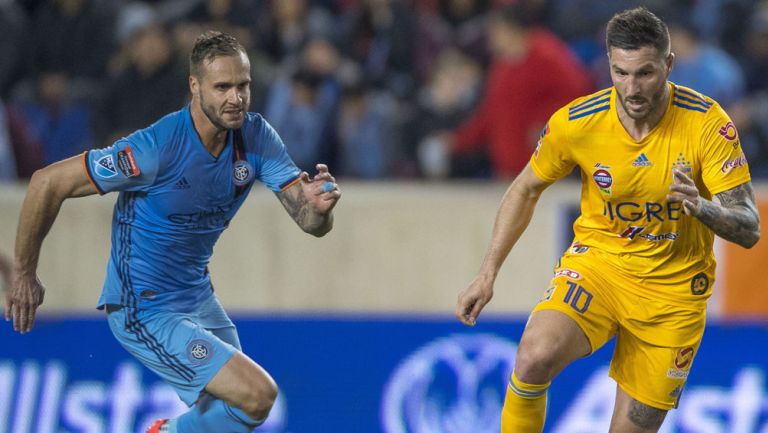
[
  {"x": 301, "y": 109},
  {"x": 702, "y": 66},
  {"x": 380, "y": 36},
  {"x": 27, "y": 151},
  {"x": 450, "y": 24},
  {"x": 367, "y": 132},
  {"x": 732, "y": 19},
  {"x": 7, "y": 157},
  {"x": 533, "y": 73},
  {"x": 152, "y": 83},
  {"x": 73, "y": 39},
  {"x": 752, "y": 117},
  {"x": 290, "y": 24},
  {"x": 229, "y": 16},
  {"x": 446, "y": 100},
  {"x": 56, "y": 119},
  {"x": 13, "y": 22}
]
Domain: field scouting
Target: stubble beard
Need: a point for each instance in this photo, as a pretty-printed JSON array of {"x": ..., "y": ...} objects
[
  {"x": 653, "y": 105},
  {"x": 216, "y": 121}
]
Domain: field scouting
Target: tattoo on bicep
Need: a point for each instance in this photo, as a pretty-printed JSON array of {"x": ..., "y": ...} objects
[
  {"x": 736, "y": 219},
  {"x": 296, "y": 205},
  {"x": 645, "y": 416}
]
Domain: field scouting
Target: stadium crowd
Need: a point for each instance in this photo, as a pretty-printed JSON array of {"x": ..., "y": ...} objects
[{"x": 376, "y": 89}]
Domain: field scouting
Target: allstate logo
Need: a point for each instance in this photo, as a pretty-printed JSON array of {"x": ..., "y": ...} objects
[
  {"x": 242, "y": 172},
  {"x": 454, "y": 384}
]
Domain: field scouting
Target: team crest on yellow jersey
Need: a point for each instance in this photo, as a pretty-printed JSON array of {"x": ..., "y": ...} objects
[
  {"x": 682, "y": 164},
  {"x": 699, "y": 284}
]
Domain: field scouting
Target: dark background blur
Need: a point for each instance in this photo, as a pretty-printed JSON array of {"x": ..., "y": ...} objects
[{"x": 378, "y": 89}]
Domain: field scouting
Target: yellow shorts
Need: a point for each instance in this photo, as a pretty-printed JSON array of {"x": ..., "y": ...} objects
[{"x": 656, "y": 342}]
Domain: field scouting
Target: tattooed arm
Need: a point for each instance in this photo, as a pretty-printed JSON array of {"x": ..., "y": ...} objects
[
  {"x": 310, "y": 202},
  {"x": 735, "y": 218}
]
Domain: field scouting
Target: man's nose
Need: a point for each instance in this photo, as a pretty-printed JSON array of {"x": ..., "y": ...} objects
[
  {"x": 234, "y": 97},
  {"x": 633, "y": 86}
]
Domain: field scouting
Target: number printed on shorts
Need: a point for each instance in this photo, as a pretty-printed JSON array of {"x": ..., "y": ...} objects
[{"x": 578, "y": 297}]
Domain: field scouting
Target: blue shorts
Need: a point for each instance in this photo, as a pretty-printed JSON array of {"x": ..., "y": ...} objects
[{"x": 185, "y": 349}]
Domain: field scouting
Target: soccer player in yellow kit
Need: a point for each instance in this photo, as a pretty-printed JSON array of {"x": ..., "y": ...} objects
[{"x": 662, "y": 172}]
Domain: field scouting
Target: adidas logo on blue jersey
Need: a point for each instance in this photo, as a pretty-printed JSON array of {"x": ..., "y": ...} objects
[
  {"x": 642, "y": 161},
  {"x": 182, "y": 184}
]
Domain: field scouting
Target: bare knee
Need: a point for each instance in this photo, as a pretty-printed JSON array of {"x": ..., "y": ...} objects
[
  {"x": 534, "y": 363},
  {"x": 551, "y": 341},
  {"x": 261, "y": 397}
]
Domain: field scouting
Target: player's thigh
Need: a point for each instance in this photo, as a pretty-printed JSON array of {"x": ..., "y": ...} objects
[
  {"x": 574, "y": 318},
  {"x": 174, "y": 346},
  {"x": 243, "y": 383},
  {"x": 633, "y": 416}
]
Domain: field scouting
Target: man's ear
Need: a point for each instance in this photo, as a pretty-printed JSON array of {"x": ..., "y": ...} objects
[
  {"x": 670, "y": 61},
  {"x": 194, "y": 85}
]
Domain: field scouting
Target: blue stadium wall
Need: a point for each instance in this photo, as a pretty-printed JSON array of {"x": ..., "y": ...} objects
[{"x": 364, "y": 374}]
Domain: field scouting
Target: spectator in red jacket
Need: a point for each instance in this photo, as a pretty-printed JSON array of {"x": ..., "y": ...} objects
[{"x": 532, "y": 74}]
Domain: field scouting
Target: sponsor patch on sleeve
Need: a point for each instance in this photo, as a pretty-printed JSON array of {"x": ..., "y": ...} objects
[
  {"x": 731, "y": 164},
  {"x": 728, "y": 131},
  {"x": 126, "y": 162}
]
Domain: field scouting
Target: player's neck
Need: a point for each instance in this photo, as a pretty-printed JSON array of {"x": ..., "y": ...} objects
[
  {"x": 213, "y": 138},
  {"x": 640, "y": 128}
]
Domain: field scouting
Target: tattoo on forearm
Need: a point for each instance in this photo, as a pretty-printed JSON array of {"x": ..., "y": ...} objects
[
  {"x": 299, "y": 209},
  {"x": 296, "y": 207},
  {"x": 646, "y": 417},
  {"x": 736, "y": 219}
]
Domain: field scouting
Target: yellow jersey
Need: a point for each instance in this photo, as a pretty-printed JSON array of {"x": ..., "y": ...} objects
[{"x": 624, "y": 211}]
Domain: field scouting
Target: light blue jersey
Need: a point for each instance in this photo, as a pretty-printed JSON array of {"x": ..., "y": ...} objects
[{"x": 175, "y": 200}]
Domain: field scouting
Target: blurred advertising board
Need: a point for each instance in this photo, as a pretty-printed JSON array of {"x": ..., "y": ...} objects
[{"x": 364, "y": 374}]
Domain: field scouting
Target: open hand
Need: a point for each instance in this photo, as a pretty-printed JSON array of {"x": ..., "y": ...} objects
[{"x": 321, "y": 191}]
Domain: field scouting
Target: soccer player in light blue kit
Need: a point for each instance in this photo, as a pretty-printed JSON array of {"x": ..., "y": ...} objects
[{"x": 181, "y": 181}]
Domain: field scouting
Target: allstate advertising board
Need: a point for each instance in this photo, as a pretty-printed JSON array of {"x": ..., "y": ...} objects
[{"x": 364, "y": 374}]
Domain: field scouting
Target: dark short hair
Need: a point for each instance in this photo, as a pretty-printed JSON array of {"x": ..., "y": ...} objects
[
  {"x": 209, "y": 46},
  {"x": 637, "y": 28}
]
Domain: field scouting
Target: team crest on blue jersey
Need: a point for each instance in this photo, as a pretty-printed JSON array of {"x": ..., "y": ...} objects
[
  {"x": 104, "y": 167},
  {"x": 242, "y": 172},
  {"x": 199, "y": 351}
]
